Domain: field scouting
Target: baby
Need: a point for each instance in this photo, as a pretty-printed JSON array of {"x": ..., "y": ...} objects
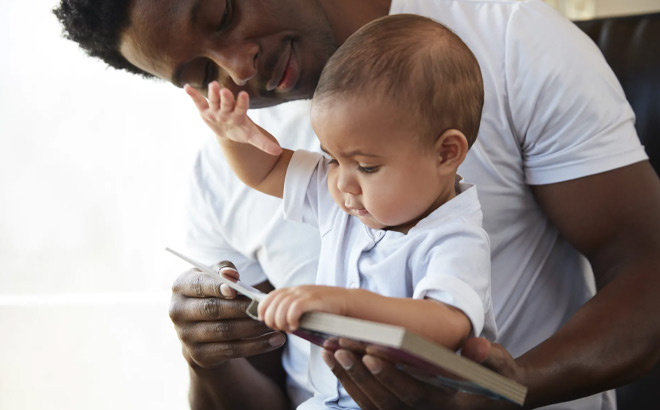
[{"x": 396, "y": 109}]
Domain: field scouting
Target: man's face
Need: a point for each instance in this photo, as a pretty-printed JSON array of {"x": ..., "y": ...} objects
[{"x": 273, "y": 49}]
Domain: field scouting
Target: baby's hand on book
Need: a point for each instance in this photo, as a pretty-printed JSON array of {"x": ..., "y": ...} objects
[
  {"x": 227, "y": 117},
  {"x": 282, "y": 308}
]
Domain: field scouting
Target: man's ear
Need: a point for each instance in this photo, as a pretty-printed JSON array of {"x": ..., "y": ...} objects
[{"x": 451, "y": 148}]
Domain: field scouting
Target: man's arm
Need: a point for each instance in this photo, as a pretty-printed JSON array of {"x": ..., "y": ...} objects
[
  {"x": 235, "y": 384},
  {"x": 613, "y": 218},
  {"x": 253, "y": 153}
]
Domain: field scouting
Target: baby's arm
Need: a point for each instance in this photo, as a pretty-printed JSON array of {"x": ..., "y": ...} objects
[
  {"x": 436, "y": 321},
  {"x": 253, "y": 153}
]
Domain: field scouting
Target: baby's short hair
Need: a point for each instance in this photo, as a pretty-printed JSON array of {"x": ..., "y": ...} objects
[{"x": 418, "y": 64}]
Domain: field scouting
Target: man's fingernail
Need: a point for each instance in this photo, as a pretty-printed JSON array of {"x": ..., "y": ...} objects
[
  {"x": 226, "y": 292},
  {"x": 374, "y": 365},
  {"x": 344, "y": 360},
  {"x": 328, "y": 358},
  {"x": 277, "y": 340}
]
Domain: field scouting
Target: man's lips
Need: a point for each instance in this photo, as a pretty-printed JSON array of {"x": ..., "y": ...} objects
[{"x": 286, "y": 72}]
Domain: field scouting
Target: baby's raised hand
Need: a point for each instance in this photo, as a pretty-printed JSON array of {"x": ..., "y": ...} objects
[
  {"x": 282, "y": 308},
  {"x": 227, "y": 117}
]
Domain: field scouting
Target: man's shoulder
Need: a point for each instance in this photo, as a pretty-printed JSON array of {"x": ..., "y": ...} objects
[{"x": 476, "y": 14}]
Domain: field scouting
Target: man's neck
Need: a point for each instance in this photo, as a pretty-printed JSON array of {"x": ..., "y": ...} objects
[{"x": 346, "y": 16}]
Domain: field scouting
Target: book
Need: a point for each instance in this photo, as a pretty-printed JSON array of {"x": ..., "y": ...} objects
[{"x": 419, "y": 357}]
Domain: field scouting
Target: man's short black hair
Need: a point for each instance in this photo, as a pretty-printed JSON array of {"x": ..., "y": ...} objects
[{"x": 97, "y": 25}]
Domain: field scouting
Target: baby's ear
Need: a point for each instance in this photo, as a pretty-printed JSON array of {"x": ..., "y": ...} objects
[{"x": 451, "y": 148}]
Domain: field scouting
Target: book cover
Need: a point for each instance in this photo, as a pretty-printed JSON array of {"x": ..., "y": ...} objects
[{"x": 422, "y": 359}]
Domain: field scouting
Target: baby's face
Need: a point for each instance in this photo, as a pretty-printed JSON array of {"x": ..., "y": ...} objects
[{"x": 379, "y": 169}]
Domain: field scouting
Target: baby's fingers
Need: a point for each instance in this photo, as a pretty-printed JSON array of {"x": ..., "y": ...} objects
[
  {"x": 227, "y": 102},
  {"x": 242, "y": 103},
  {"x": 214, "y": 96},
  {"x": 269, "y": 307},
  {"x": 238, "y": 108},
  {"x": 197, "y": 97},
  {"x": 267, "y": 145},
  {"x": 264, "y": 305},
  {"x": 295, "y": 312}
]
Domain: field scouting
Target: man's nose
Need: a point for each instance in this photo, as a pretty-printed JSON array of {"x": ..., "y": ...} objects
[{"x": 238, "y": 60}]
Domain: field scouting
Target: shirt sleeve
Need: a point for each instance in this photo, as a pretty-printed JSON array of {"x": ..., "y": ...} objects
[
  {"x": 306, "y": 196},
  {"x": 458, "y": 274},
  {"x": 568, "y": 109}
]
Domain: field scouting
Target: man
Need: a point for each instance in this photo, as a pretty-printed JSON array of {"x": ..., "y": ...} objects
[{"x": 558, "y": 166}]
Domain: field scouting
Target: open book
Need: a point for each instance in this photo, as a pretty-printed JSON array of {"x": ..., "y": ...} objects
[{"x": 419, "y": 357}]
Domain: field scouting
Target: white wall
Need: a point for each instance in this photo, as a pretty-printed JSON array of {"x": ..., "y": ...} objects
[{"x": 93, "y": 169}]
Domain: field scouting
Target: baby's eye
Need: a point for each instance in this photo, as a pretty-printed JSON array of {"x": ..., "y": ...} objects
[
  {"x": 367, "y": 170},
  {"x": 333, "y": 161}
]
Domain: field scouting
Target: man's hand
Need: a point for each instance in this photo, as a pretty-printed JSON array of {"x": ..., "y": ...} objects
[
  {"x": 212, "y": 328},
  {"x": 376, "y": 384},
  {"x": 227, "y": 117}
]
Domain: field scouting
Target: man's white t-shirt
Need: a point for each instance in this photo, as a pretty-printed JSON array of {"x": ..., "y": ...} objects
[
  {"x": 445, "y": 256},
  {"x": 553, "y": 111}
]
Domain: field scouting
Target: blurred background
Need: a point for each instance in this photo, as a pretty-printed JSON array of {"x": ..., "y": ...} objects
[
  {"x": 587, "y": 9},
  {"x": 93, "y": 172}
]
